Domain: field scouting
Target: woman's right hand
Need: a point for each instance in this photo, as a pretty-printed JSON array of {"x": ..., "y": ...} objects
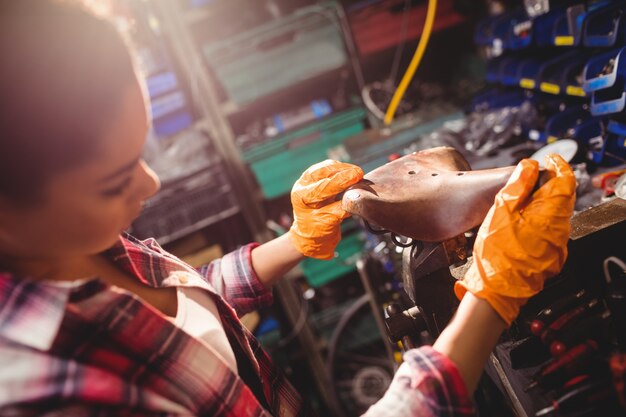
[{"x": 523, "y": 239}]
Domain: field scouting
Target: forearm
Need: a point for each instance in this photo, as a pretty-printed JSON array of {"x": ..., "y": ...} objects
[
  {"x": 470, "y": 337},
  {"x": 272, "y": 260}
]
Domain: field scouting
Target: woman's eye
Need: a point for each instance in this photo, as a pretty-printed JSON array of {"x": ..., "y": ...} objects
[{"x": 117, "y": 190}]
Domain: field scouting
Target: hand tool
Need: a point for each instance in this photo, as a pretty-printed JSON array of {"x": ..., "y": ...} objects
[
  {"x": 546, "y": 316},
  {"x": 572, "y": 362},
  {"x": 582, "y": 396},
  {"x": 593, "y": 327},
  {"x": 569, "y": 317}
]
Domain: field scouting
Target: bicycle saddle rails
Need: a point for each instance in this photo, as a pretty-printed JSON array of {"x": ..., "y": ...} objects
[{"x": 430, "y": 195}]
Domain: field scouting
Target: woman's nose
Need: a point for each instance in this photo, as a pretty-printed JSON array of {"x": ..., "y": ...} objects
[{"x": 149, "y": 184}]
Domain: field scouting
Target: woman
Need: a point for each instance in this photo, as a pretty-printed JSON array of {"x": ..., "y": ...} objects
[{"x": 95, "y": 322}]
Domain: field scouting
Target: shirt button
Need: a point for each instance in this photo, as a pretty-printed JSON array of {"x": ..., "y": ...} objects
[{"x": 183, "y": 279}]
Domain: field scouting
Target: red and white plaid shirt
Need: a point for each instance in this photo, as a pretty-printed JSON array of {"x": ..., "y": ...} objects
[{"x": 89, "y": 349}]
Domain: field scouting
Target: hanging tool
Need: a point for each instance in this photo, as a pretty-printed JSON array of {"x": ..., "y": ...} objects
[
  {"x": 568, "y": 318},
  {"x": 572, "y": 362},
  {"x": 546, "y": 316},
  {"x": 593, "y": 327},
  {"x": 582, "y": 396}
]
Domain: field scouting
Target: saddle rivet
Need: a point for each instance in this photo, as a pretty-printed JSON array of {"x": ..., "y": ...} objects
[
  {"x": 411, "y": 172},
  {"x": 434, "y": 175}
]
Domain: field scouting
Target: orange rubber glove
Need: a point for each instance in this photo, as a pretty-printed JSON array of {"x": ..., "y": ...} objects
[
  {"x": 523, "y": 239},
  {"x": 316, "y": 228}
]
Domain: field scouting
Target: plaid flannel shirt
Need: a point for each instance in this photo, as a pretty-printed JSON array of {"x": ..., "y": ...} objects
[{"x": 89, "y": 349}]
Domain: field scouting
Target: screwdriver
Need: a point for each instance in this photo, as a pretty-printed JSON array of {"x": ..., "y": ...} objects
[
  {"x": 566, "y": 366},
  {"x": 583, "y": 396},
  {"x": 549, "y": 314},
  {"x": 551, "y": 332},
  {"x": 591, "y": 327}
]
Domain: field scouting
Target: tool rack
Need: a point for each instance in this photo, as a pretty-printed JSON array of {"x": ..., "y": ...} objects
[
  {"x": 520, "y": 355},
  {"x": 569, "y": 63}
]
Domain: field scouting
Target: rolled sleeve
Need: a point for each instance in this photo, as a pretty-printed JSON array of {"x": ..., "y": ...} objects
[
  {"x": 427, "y": 384},
  {"x": 235, "y": 280}
]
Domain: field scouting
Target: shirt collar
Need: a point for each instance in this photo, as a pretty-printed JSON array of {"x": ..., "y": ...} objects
[{"x": 31, "y": 311}]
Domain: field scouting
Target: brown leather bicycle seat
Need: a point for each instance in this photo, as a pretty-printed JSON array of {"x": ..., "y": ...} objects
[{"x": 429, "y": 195}]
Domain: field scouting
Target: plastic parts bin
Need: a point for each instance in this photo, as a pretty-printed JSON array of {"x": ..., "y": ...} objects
[
  {"x": 552, "y": 77},
  {"x": 494, "y": 31},
  {"x": 545, "y": 27},
  {"x": 604, "y": 77},
  {"x": 605, "y": 26},
  {"x": 277, "y": 164}
]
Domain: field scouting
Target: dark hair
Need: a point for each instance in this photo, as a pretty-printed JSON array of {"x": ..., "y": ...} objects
[{"x": 62, "y": 73}]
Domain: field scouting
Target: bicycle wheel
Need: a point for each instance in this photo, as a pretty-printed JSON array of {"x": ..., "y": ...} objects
[{"x": 358, "y": 365}]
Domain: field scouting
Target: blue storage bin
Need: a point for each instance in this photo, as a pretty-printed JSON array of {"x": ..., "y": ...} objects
[
  {"x": 161, "y": 83},
  {"x": 545, "y": 27},
  {"x": 496, "y": 99},
  {"x": 617, "y": 127},
  {"x": 608, "y": 150},
  {"x": 520, "y": 31},
  {"x": 566, "y": 124},
  {"x": 530, "y": 69},
  {"x": 550, "y": 106},
  {"x": 509, "y": 70},
  {"x": 170, "y": 113},
  {"x": 572, "y": 74},
  {"x": 172, "y": 123},
  {"x": 604, "y": 71},
  {"x": 485, "y": 31},
  {"x": 495, "y": 31},
  {"x": 552, "y": 77},
  {"x": 569, "y": 28},
  {"x": 605, "y": 26},
  {"x": 563, "y": 34},
  {"x": 167, "y": 104},
  {"x": 492, "y": 71}
]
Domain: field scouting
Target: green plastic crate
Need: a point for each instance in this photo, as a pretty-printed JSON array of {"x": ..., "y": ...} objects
[
  {"x": 278, "y": 54},
  {"x": 318, "y": 272},
  {"x": 278, "y": 163}
]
